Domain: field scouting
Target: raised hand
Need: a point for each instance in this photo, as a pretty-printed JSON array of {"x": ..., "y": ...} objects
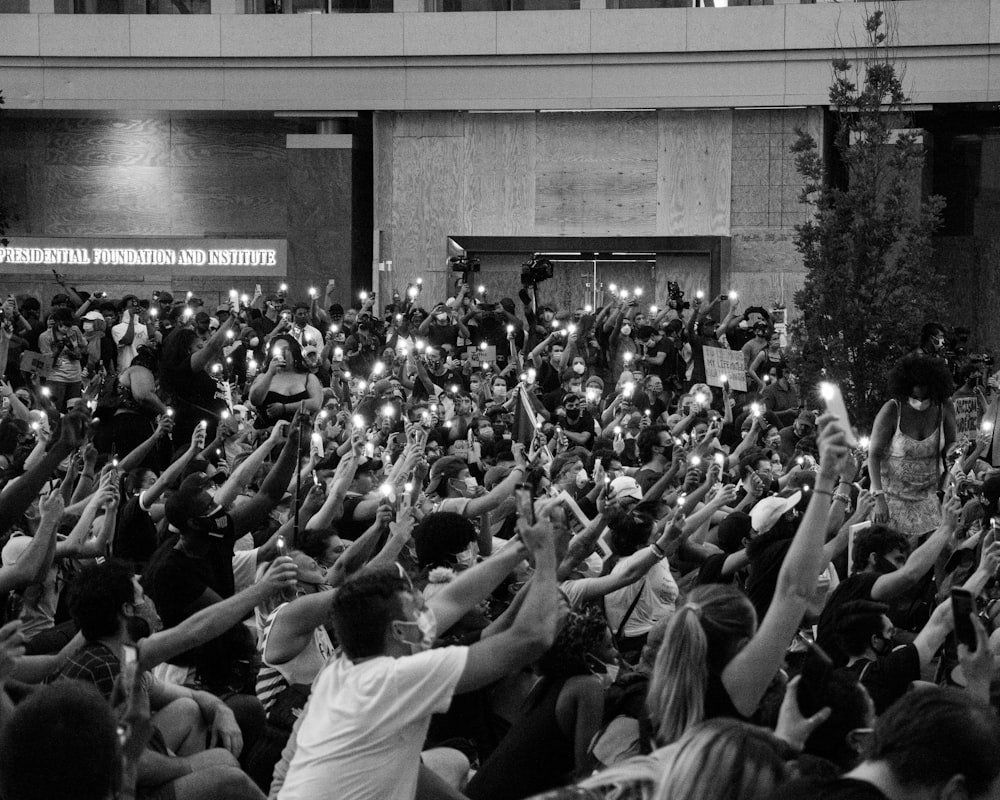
[{"x": 280, "y": 575}]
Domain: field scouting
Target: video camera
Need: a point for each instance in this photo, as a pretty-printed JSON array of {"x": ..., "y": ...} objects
[
  {"x": 536, "y": 271},
  {"x": 464, "y": 264},
  {"x": 675, "y": 295}
]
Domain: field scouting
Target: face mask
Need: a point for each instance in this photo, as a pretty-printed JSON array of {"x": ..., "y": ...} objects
[
  {"x": 579, "y": 369},
  {"x": 500, "y": 393},
  {"x": 582, "y": 479},
  {"x": 466, "y": 558},
  {"x": 441, "y": 317},
  {"x": 146, "y": 612},
  {"x": 626, "y": 330},
  {"x": 426, "y": 624},
  {"x": 884, "y": 645},
  {"x": 919, "y": 405},
  {"x": 255, "y": 342},
  {"x": 88, "y": 327},
  {"x": 471, "y": 484}
]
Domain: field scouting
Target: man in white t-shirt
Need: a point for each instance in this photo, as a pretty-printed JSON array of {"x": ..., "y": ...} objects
[
  {"x": 368, "y": 714},
  {"x": 135, "y": 330}
]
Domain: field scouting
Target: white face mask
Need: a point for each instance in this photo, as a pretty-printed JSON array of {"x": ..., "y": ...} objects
[
  {"x": 500, "y": 393},
  {"x": 919, "y": 405},
  {"x": 626, "y": 330},
  {"x": 426, "y": 623},
  {"x": 471, "y": 484},
  {"x": 255, "y": 341},
  {"x": 466, "y": 558},
  {"x": 441, "y": 317},
  {"x": 582, "y": 478},
  {"x": 579, "y": 369}
]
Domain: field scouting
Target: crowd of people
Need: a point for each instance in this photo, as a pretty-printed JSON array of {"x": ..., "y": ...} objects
[{"x": 446, "y": 548}]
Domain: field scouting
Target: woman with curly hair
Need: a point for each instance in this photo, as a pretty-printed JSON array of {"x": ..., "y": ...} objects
[
  {"x": 549, "y": 742},
  {"x": 912, "y": 434}
]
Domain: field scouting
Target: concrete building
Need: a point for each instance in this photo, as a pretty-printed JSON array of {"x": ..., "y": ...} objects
[{"x": 635, "y": 145}]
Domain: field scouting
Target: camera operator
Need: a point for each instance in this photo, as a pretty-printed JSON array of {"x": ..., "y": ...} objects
[{"x": 65, "y": 343}]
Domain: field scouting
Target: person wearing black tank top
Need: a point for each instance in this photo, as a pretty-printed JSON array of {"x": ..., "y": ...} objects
[{"x": 284, "y": 383}]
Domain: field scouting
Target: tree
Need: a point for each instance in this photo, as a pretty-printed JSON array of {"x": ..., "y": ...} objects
[{"x": 870, "y": 283}]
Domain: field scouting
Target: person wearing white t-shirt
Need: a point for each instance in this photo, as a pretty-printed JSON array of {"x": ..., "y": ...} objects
[
  {"x": 361, "y": 733},
  {"x": 135, "y": 330}
]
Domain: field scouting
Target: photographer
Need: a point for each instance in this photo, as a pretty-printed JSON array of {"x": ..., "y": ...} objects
[{"x": 65, "y": 343}]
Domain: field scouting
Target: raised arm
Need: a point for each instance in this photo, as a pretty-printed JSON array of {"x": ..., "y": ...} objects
[
  {"x": 534, "y": 628},
  {"x": 200, "y": 359},
  {"x": 164, "y": 425},
  {"x": 18, "y": 494},
  {"x": 35, "y": 560},
  {"x": 922, "y": 559},
  {"x": 207, "y": 624},
  {"x": 747, "y": 676},
  {"x": 254, "y": 512},
  {"x": 244, "y": 473},
  {"x": 491, "y": 500}
]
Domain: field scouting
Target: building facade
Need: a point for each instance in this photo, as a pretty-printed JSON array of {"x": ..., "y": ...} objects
[{"x": 634, "y": 145}]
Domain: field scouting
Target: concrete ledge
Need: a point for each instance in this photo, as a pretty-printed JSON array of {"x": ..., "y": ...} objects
[{"x": 771, "y": 55}]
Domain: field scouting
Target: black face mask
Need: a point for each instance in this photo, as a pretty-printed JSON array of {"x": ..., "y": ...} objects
[
  {"x": 573, "y": 413},
  {"x": 884, "y": 566},
  {"x": 884, "y": 645}
]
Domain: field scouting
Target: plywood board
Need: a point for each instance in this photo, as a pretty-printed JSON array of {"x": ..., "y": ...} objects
[
  {"x": 592, "y": 199},
  {"x": 595, "y": 173},
  {"x": 695, "y": 173},
  {"x": 604, "y": 138},
  {"x": 106, "y": 201},
  {"x": 227, "y": 199},
  {"x": 426, "y": 199},
  {"x": 208, "y": 142},
  {"x": 499, "y": 181},
  {"x": 106, "y": 142},
  {"x": 383, "y": 126},
  {"x": 430, "y": 123}
]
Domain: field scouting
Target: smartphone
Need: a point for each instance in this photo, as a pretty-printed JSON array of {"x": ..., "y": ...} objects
[
  {"x": 524, "y": 498},
  {"x": 816, "y": 670},
  {"x": 962, "y": 605},
  {"x": 831, "y": 394},
  {"x": 404, "y": 501},
  {"x": 130, "y": 668},
  {"x": 282, "y": 546}
]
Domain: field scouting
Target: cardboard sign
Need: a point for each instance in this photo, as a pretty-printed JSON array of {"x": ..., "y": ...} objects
[
  {"x": 36, "y": 364},
  {"x": 478, "y": 357},
  {"x": 967, "y": 416},
  {"x": 719, "y": 362}
]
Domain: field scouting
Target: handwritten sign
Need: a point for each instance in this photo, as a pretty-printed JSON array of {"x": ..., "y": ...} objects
[
  {"x": 720, "y": 362},
  {"x": 967, "y": 416},
  {"x": 36, "y": 364},
  {"x": 479, "y": 356}
]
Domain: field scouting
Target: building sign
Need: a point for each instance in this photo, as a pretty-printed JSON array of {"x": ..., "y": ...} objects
[{"x": 81, "y": 257}]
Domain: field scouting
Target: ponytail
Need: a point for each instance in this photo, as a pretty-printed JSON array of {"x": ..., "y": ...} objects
[
  {"x": 701, "y": 639},
  {"x": 676, "y": 698}
]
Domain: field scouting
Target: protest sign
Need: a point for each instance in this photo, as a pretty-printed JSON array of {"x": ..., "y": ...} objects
[
  {"x": 720, "y": 362},
  {"x": 36, "y": 364}
]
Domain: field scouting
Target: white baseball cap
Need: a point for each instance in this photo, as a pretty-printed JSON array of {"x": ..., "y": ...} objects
[{"x": 625, "y": 487}]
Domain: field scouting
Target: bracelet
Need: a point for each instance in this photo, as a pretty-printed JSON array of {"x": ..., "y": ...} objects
[
  {"x": 827, "y": 492},
  {"x": 657, "y": 551},
  {"x": 841, "y": 497},
  {"x": 876, "y": 493}
]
